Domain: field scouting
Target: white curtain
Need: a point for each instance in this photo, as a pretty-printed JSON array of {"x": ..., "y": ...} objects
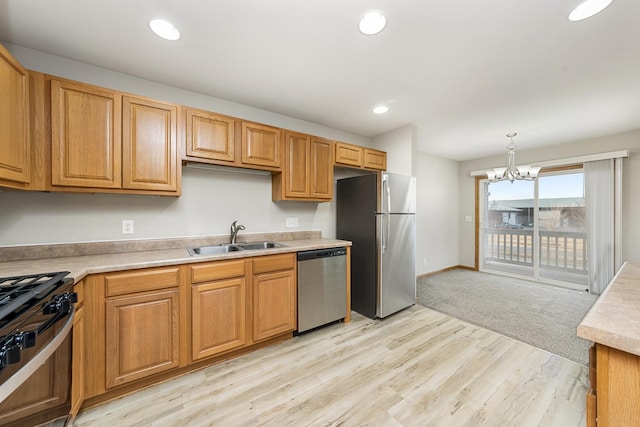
[{"x": 600, "y": 195}]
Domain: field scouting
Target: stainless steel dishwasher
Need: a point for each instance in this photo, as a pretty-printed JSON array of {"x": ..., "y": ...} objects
[{"x": 322, "y": 287}]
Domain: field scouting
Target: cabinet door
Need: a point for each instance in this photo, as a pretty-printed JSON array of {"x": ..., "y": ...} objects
[
  {"x": 210, "y": 136},
  {"x": 297, "y": 177},
  {"x": 349, "y": 155},
  {"x": 261, "y": 145},
  {"x": 142, "y": 336},
  {"x": 217, "y": 317},
  {"x": 150, "y": 145},
  {"x": 15, "y": 147},
  {"x": 274, "y": 304},
  {"x": 85, "y": 136},
  {"x": 321, "y": 169},
  {"x": 375, "y": 159}
]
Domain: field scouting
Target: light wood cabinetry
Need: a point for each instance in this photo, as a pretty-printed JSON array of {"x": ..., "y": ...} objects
[
  {"x": 103, "y": 140},
  {"x": 145, "y": 325},
  {"x": 274, "y": 295},
  {"x": 132, "y": 322},
  {"x": 615, "y": 388},
  {"x": 15, "y": 144},
  {"x": 227, "y": 141},
  {"x": 150, "y": 145},
  {"x": 209, "y": 136},
  {"x": 349, "y": 155},
  {"x": 218, "y": 307},
  {"x": 375, "y": 159},
  {"x": 355, "y": 156},
  {"x": 86, "y": 139},
  {"x": 308, "y": 169},
  {"x": 261, "y": 145}
]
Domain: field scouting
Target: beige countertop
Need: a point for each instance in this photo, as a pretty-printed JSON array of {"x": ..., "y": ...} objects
[
  {"x": 82, "y": 265},
  {"x": 614, "y": 319}
]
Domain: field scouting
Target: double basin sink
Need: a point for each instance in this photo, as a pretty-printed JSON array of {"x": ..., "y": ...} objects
[{"x": 233, "y": 247}]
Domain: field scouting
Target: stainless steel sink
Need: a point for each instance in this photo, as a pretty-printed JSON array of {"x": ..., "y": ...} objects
[
  {"x": 250, "y": 246},
  {"x": 212, "y": 250},
  {"x": 228, "y": 247}
]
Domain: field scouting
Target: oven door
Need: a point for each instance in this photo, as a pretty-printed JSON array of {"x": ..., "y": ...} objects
[{"x": 39, "y": 390}]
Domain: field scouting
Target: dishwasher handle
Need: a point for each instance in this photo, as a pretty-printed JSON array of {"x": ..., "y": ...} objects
[{"x": 321, "y": 253}]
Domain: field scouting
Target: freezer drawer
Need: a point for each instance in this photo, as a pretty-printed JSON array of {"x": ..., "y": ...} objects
[{"x": 322, "y": 287}]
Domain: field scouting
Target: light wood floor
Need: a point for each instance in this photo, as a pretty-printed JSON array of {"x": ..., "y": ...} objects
[{"x": 416, "y": 368}]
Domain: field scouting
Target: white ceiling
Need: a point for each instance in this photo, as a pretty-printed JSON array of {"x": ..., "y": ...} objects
[{"x": 465, "y": 72}]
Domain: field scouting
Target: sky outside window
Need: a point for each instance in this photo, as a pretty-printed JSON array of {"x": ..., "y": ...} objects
[{"x": 550, "y": 187}]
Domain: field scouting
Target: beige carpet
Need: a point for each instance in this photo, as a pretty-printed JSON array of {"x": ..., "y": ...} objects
[{"x": 542, "y": 315}]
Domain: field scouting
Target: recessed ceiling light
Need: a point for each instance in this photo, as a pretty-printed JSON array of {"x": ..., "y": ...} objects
[
  {"x": 588, "y": 8},
  {"x": 372, "y": 22},
  {"x": 381, "y": 109},
  {"x": 164, "y": 29}
]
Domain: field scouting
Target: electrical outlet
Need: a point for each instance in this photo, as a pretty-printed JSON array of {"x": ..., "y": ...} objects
[
  {"x": 292, "y": 222},
  {"x": 127, "y": 226},
  {"x": 424, "y": 262}
]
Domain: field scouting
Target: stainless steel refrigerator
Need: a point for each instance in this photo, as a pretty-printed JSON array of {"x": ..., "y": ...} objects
[{"x": 376, "y": 213}]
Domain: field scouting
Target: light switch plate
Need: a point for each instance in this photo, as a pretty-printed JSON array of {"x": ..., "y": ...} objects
[
  {"x": 292, "y": 222},
  {"x": 468, "y": 218}
]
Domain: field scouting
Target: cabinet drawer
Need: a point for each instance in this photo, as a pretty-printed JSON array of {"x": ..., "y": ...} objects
[
  {"x": 273, "y": 263},
  {"x": 141, "y": 281},
  {"x": 217, "y": 270}
]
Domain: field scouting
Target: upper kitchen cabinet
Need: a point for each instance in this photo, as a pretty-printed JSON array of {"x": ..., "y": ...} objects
[
  {"x": 150, "y": 145},
  {"x": 375, "y": 159},
  {"x": 85, "y": 136},
  {"x": 106, "y": 141},
  {"x": 209, "y": 136},
  {"x": 308, "y": 169},
  {"x": 222, "y": 140},
  {"x": 355, "y": 156},
  {"x": 261, "y": 146},
  {"x": 15, "y": 146}
]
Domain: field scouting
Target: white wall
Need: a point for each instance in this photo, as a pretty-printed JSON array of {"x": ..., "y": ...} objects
[
  {"x": 437, "y": 218},
  {"x": 210, "y": 200},
  {"x": 399, "y": 145},
  {"x": 630, "y": 190}
]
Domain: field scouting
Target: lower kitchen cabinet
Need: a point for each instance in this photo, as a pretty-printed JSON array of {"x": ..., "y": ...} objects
[
  {"x": 142, "y": 335},
  {"x": 143, "y": 326},
  {"x": 274, "y": 295},
  {"x": 132, "y": 326},
  {"x": 615, "y": 388},
  {"x": 218, "y": 308}
]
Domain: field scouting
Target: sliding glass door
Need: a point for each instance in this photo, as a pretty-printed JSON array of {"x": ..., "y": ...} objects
[{"x": 535, "y": 229}]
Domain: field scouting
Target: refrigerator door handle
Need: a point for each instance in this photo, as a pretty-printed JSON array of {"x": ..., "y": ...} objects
[
  {"x": 383, "y": 244},
  {"x": 387, "y": 192}
]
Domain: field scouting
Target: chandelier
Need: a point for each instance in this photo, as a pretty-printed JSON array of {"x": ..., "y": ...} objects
[{"x": 511, "y": 172}]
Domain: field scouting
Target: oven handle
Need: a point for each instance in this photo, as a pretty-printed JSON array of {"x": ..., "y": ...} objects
[{"x": 16, "y": 380}]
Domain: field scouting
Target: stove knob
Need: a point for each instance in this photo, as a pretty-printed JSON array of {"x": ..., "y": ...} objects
[
  {"x": 26, "y": 339},
  {"x": 9, "y": 355},
  {"x": 51, "y": 307}
]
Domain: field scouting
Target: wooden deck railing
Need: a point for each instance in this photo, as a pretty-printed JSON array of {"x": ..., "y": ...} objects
[{"x": 559, "y": 250}]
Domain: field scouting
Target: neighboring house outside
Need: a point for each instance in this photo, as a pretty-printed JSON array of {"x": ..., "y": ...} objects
[{"x": 567, "y": 213}]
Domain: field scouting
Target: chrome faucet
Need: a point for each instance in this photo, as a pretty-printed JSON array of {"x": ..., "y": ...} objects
[{"x": 234, "y": 231}]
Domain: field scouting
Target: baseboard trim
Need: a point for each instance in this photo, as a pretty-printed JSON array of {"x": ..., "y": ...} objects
[{"x": 455, "y": 267}]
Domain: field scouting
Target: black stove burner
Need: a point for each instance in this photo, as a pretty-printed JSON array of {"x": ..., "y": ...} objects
[{"x": 20, "y": 293}]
